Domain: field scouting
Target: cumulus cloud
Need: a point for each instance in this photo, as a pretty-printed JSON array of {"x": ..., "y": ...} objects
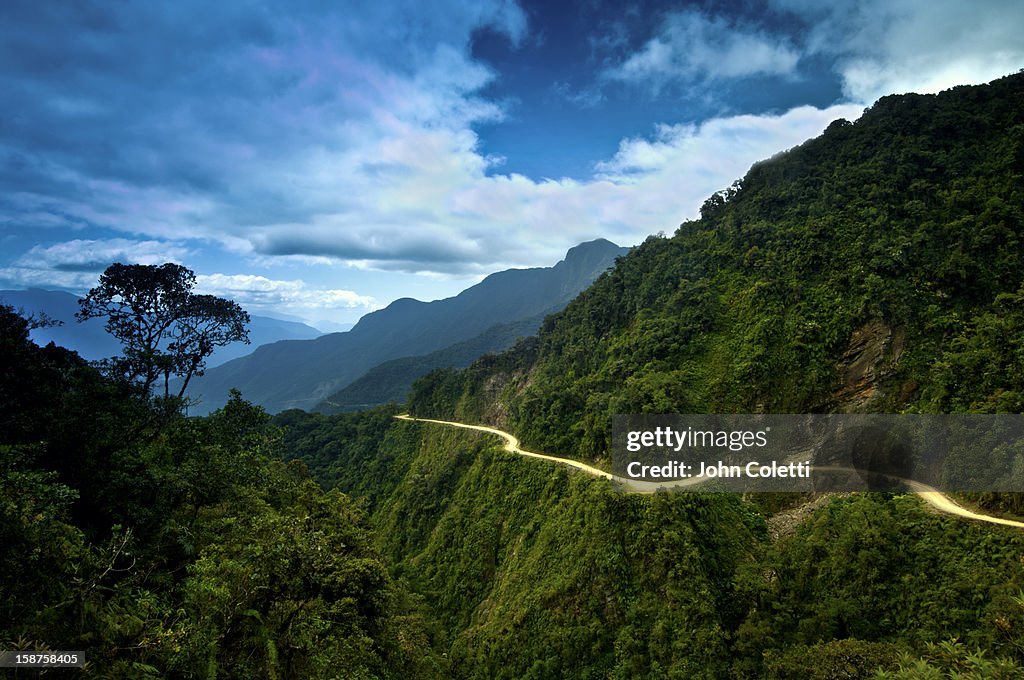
[
  {"x": 692, "y": 46},
  {"x": 684, "y": 164},
  {"x": 262, "y": 293},
  {"x": 421, "y": 200},
  {"x": 648, "y": 186},
  {"x": 32, "y": 277}
]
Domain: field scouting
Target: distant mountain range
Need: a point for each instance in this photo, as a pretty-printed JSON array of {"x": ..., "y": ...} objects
[
  {"x": 92, "y": 342},
  {"x": 302, "y": 373},
  {"x": 392, "y": 380}
]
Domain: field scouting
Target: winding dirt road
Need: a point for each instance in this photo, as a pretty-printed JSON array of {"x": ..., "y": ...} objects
[{"x": 933, "y": 497}]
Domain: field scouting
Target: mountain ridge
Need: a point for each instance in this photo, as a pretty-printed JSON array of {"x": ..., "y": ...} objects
[
  {"x": 908, "y": 221},
  {"x": 291, "y": 374},
  {"x": 391, "y": 380}
]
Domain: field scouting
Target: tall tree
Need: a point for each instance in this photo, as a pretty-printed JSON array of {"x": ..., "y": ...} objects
[{"x": 165, "y": 328}]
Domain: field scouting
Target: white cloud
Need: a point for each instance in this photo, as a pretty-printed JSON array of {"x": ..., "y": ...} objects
[
  {"x": 87, "y": 255},
  {"x": 76, "y": 264},
  {"x": 694, "y": 47},
  {"x": 419, "y": 199},
  {"x": 31, "y": 277},
  {"x": 351, "y": 157},
  {"x": 648, "y": 186},
  {"x": 262, "y": 293}
]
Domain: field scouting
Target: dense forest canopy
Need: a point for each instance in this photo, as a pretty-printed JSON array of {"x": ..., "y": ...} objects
[{"x": 164, "y": 546}]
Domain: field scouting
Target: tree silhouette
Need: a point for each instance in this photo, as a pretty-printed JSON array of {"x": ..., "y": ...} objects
[{"x": 164, "y": 328}]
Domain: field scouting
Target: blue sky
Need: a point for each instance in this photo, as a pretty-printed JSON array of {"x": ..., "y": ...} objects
[{"x": 320, "y": 159}]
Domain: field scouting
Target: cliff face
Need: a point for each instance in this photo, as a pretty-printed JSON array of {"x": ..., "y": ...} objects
[
  {"x": 526, "y": 568},
  {"x": 532, "y": 570}
]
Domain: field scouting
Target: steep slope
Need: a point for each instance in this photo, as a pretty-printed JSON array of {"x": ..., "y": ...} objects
[
  {"x": 392, "y": 380},
  {"x": 535, "y": 570},
  {"x": 92, "y": 342},
  {"x": 300, "y": 374},
  {"x": 877, "y": 267}
]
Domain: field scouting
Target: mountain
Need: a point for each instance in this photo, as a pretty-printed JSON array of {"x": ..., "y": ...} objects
[
  {"x": 875, "y": 268},
  {"x": 392, "y": 380},
  {"x": 92, "y": 342},
  {"x": 878, "y": 267},
  {"x": 326, "y": 326},
  {"x": 300, "y": 374}
]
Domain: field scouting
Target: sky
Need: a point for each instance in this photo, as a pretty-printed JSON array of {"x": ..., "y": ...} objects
[{"x": 317, "y": 160}]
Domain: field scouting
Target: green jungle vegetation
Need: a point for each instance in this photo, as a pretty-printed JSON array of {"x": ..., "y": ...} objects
[
  {"x": 170, "y": 547},
  {"x": 875, "y": 268},
  {"x": 911, "y": 217},
  {"x": 531, "y": 570}
]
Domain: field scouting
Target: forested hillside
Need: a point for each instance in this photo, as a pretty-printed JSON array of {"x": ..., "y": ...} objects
[
  {"x": 878, "y": 268},
  {"x": 392, "y": 380},
  {"x": 167, "y": 547},
  {"x": 875, "y": 268},
  {"x": 531, "y": 570}
]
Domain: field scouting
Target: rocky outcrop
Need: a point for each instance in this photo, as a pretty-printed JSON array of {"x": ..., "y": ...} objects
[{"x": 871, "y": 357}]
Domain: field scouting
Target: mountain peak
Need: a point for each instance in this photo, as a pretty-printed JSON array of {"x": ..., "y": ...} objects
[
  {"x": 599, "y": 247},
  {"x": 590, "y": 258}
]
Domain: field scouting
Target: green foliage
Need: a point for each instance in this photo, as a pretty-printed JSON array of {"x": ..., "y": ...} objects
[
  {"x": 175, "y": 547},
  {"x": 847, "y": 659},
  {"x": 907, "y": 222},
  {"x": 391, "y": 380},
  {"x": 532, "y": 570},
  {"x": 359, "y": 453},
  {"x": 165, "y": 329},
  {"x": 535, "y": 571},
  {"x": 911, "y": 217},
  {"x": 984, "y": 366},
  {"x": 563, "y": 577},
  {"x": 164, "y": 546},
  {"x": 951, "y": 659},
  {"x": 287, "y": 591},
  {"x": 881, "y": 569}
]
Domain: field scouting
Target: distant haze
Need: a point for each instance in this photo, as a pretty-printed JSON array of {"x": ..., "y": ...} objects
[
  {"x": 300, "y": 374},
  {"x": 92, "y": 342}
]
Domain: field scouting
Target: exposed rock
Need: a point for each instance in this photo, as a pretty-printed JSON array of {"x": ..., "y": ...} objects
[{"x": 872, "y": 356}]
